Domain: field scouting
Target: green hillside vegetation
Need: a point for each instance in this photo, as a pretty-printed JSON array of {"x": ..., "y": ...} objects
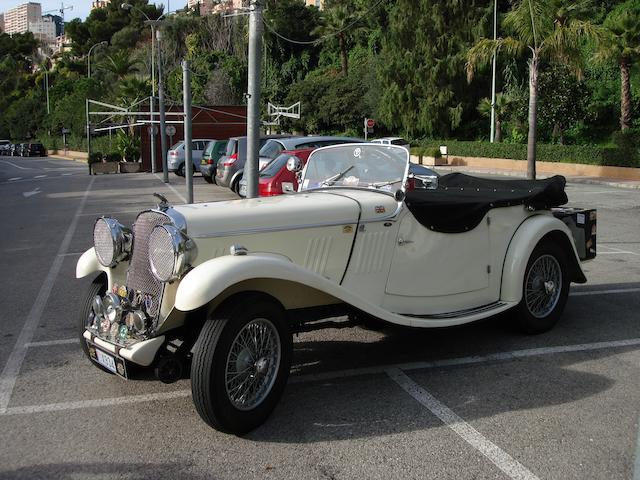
[{"x": 421, "y": 69}]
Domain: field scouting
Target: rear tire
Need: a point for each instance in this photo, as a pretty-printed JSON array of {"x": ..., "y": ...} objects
[
  {"x": 236, "y": 382},
  {"x": 545, "y": 289},
  {"x": 180, "y": 171},
  {"x": 235, "y": 187},
  {"x": 207, "y": 178}
]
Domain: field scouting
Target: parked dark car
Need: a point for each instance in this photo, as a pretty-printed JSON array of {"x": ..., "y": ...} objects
[
  {"x": 212, "y": 153},
  {"x": 21, "y": 150},
  {"x": 4, "y": 147},
  {"x": 35, "y": 150}
]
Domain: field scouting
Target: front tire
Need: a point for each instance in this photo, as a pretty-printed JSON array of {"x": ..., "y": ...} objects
[
  {"x": 241, "y": 363},
  {"x": 545, "y": 289}
]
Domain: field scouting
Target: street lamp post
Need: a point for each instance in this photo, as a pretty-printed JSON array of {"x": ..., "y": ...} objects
[
  {"x": 493, "y": 76},
  {"x": 89, "y": 57},
  {"x": 152, "y": 24}
]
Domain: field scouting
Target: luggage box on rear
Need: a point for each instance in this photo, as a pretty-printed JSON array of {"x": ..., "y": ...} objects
[{"x": 582, "y": 223}]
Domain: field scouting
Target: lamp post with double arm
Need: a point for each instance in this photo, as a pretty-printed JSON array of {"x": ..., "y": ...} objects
[{"x": 89, "y": 57}]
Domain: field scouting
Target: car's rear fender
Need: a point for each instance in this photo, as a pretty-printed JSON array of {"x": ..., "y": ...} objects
[{"x": 528, "y": 235}]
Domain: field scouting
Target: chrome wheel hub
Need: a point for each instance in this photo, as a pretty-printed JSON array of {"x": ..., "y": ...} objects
[
  {"x": 252, "y": 364},
  {"x": 543, "y": 286}
]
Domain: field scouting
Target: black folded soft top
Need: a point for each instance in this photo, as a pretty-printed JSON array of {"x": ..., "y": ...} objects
[{"x": 461, "y": 201}]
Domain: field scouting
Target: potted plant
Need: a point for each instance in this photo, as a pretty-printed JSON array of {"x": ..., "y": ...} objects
[
  {"x": 432, "y": 156},
  {"x": 129, "y": 151}
]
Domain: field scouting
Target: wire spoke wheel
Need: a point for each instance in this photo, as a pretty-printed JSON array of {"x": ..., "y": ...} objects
[
  {"x": 543, "y": 286},
  {"x": 252, "y": 364}
]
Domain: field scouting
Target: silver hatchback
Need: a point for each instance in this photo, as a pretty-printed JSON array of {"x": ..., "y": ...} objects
[{"x": 176, "y": 154}]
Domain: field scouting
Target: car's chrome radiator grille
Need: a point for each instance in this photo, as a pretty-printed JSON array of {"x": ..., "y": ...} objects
[{"x": 139, "y": 276}]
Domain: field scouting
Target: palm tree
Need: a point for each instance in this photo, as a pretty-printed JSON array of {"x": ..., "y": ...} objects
[
  {"x": 132, "y": 90},
  {"x": 548, "y": 29},
  {"x": 623, "y": 46},
  {"x": 338, "y": 21},
  {"x": 120, "y": 64},
  {"x": 502, "y": 105}
]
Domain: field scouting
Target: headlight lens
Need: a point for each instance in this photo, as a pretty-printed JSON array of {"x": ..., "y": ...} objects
[
  {"x": 170, "y": 252},
  {"x": 111, "y": 240}
]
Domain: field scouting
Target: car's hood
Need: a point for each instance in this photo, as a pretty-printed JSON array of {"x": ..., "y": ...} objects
[{"x": 268, "y": 213}]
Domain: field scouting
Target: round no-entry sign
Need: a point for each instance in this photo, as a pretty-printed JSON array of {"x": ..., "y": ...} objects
[
  {"x": 370, "y": 123},
  {"x": 170, "y": 130}
]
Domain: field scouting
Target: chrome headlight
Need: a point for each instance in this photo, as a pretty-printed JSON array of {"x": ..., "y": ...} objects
[
  {"x": 170, "y": 252},
  {"x": 111, "y": 240}
]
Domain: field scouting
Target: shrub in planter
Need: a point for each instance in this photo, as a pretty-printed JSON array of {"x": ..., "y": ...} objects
[
  {"x": 112, "y": 157},
  {"x": 95, "y": 157}
]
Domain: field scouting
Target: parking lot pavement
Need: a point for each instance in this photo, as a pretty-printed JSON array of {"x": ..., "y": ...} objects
[{"x": 479, "y": 401}]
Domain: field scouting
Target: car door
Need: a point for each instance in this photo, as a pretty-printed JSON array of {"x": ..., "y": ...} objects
[{"x": 427, "y": 263}]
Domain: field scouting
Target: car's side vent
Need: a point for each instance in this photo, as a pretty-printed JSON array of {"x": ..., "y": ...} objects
[
  {"x": 368, "y": 256},
  {"x": 317, "y": 254}
]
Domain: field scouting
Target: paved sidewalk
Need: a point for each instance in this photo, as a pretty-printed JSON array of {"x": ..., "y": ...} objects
[{"x": 611, "y": 182}]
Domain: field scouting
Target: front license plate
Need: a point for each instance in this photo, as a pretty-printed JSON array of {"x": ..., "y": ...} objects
[{"x": 110, "y": 362}]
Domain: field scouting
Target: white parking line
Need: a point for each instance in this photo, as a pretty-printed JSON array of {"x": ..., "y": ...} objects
[
  {"x": 605, "y": 292},
  {"x": 17, "y": 166},
  {"x": 336, "y": 375},
  {"x": 494, "y": 453},
  {"x": 173, "y": 189},
  {"x": 14, "y": 179},
  {"x": 39, "y": 176},
  {"x": 103, "y": 402},
  {"x": 48, "y": 343},
  {"x": 636, "y": 470},
  {"x": 14, "y": 363}
]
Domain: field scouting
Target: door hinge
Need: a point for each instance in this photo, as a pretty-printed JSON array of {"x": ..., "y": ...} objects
[
  {"x": 488, "y": 268},
  {"x": 488, "y": 220}
]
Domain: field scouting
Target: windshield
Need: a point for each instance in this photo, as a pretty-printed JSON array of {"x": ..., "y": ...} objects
[{"x": 381, "y": 167}]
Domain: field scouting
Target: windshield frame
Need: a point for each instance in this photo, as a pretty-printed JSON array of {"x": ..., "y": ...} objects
[{"x": 392, "y": 192}]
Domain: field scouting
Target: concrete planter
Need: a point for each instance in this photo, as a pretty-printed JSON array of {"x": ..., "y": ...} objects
[
  {"x": 429, "y": 161},
  {"x": 104, "y": 167},
  {"x": 130, "y": 167}
]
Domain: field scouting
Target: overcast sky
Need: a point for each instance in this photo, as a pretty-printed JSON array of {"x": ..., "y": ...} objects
[{"x": 81, "y": 8}]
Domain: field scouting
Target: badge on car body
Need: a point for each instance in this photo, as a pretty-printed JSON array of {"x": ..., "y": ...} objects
[
  {"x": 347, "y": 229},
  {"x": 380, "y": 209}
]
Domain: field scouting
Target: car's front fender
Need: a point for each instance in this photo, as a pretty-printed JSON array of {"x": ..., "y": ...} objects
[
  {"x": 88, "y": 263},
  {"x": 209, "y": 280},
  {"x": 528, "y": 235}
]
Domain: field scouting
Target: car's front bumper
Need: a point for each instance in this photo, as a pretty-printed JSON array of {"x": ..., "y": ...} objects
[
  {"x": 141, "y": 353},
  {"x": 224, "y": 176}
]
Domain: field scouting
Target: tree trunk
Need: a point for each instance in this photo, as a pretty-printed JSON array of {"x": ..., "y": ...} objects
[
  {"x": 498, "y": 134},
  {"x": 343, "y": 54},
  {"x": 533, "y": 106},
  {"x": 625, "y": 95}
]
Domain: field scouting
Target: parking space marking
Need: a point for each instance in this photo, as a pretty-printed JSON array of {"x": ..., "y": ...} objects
[
  {"x": 102, "y": 213},
  {"x": 636, "y": 469},
  {"x": 494, "y": 453},
  {"x": 17, "y": 166},
  {"x": 14, "y": 179},
  {"x": 173, "y": 189},
  {"x": 335, "y": 375},
  {"x": 102, "y": 402},
  {"x": 47, "y": 343},
  {"x": 604, "y": 292},
  {"x": 39, "y": 176},
  {"x": 14, "y": 363}
]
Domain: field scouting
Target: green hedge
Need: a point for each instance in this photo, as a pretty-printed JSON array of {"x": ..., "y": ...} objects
[{"x": 585, "y": 154}]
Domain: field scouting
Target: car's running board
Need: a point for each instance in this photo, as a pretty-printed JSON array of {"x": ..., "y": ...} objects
[{"x": 460, "y": 316}]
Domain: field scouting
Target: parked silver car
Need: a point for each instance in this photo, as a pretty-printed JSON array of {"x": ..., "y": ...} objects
[{"x": 176, "y": 154}]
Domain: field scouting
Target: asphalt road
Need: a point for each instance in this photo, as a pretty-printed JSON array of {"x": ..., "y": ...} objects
[{"x": 479, "y": 401}]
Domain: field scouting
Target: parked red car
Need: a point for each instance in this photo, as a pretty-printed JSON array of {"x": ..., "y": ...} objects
[{"x": 275, "y": 174}]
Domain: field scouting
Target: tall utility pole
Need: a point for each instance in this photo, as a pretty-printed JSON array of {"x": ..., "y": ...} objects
[
  {"x": 163, "y": 134},
  {"x": 153, "y": 99},
  {"x": 253, "y": 98},
  {"x": 88, "y": 134},
  {"x": 188, "y": 162},
  {"x": 493, "y": 78}
]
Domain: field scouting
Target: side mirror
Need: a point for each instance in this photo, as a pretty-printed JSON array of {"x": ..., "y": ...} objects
[{"x": 294, "y": 164}]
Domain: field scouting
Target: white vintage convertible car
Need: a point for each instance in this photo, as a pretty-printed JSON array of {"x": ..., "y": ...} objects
[{"x": 219, "y": 288}]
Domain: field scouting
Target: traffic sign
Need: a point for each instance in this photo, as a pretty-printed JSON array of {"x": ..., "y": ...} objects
[
  {"x": 152, "y": 129},
  {"x": 170, "y": 130},
  {"x": 369, "y": 122}
]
